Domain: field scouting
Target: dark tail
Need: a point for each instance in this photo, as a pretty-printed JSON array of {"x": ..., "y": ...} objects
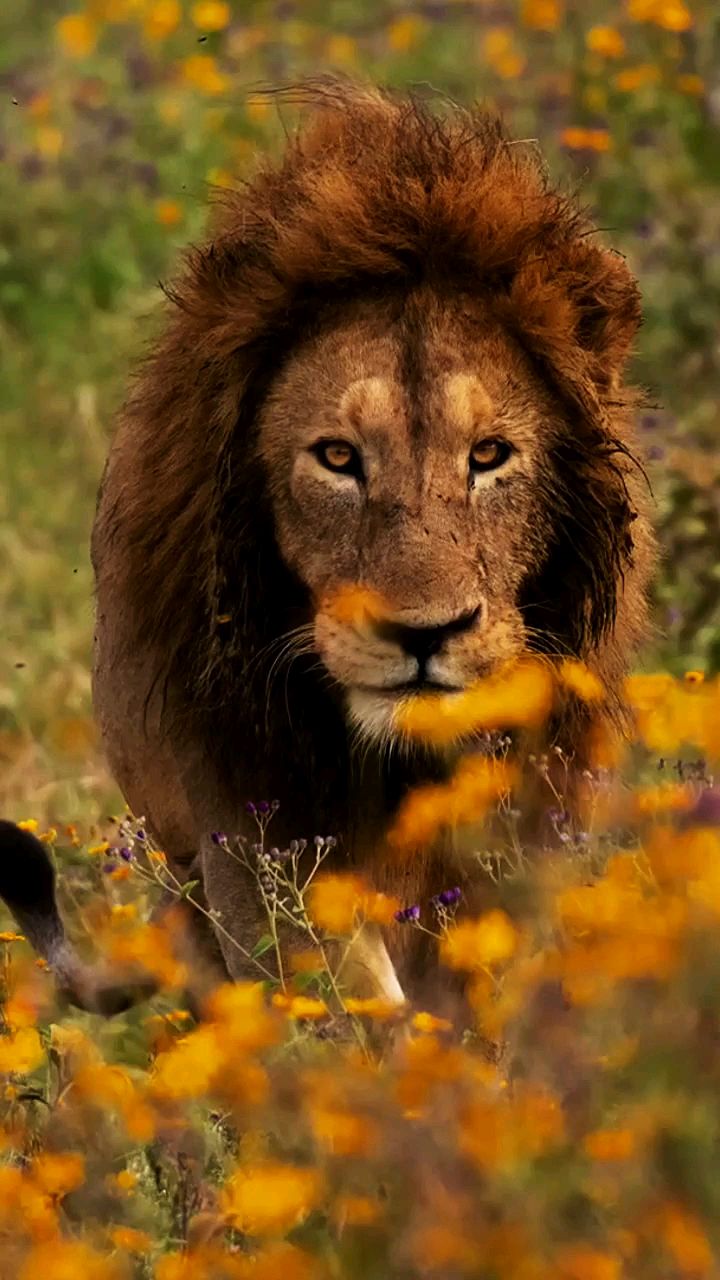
[{"x": 27, "y": 886}]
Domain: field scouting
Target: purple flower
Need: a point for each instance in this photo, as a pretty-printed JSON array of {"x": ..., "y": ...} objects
[
  {"x": 218, "y": 837},
  {"x": 108, "y": 867},
  {"x": 126, "y": 854},
  {"x": 558, "y": 816},
  {"x": 407, "y": 913},
  {"x": 449, "y": 897},
  {"x": 263, "y": 806},
  {"x": 655, "y": 453},
  {"x": 250, "y": 808},
  {"x": 706, "y": 810},
  {"x": 140, "y": 835}
]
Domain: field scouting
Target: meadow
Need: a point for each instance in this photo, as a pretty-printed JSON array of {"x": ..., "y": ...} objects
[{"x": 573, "y": 1131}]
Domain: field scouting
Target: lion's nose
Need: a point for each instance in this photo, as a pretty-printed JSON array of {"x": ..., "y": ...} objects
[{"x": 423, "y": 642}]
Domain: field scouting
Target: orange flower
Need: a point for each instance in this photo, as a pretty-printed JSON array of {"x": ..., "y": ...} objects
[
  {"x": 57, "y": 1175},
  {"x": 427, "y": 1023},
  {"x": 333, "y": 902},
  {"x": 607, "y": 41},
  {"x": 638, "y": 77},
  {"x": 341, "y": 1132},
  {"x": 684, "y": 1238},
  {"x": 519, "y": 695},
  {"x": 580, "y": 1262},
  {"x": 376, "y": 1007},
  {"x": 21, "y": 1052},
  {"x": 77, "y": 34},
  {"x": 475, "y": 944},
  {"x": 211, "y": 15},
  {"x": 202, "y": 72},
  {"x": 581, "y": 139},
  {"x": 355, "y": 606},
  {"x": 66, "y": 1259},
  {"x": 270, "y": 1198},
  {"x": 130, "y": 1240},
  {"x": 301, "y": 1006},
  {"x": 168, "y": 213},
  {"x": 406, "y": 32},
  {"x": 477, "y": 783},
  {"x": 355, "y": 1211},
  {"x": 161, "y": 19},
  {"x": 610, "y": 1144},
  {"x": 577, "y": 677},
  {"x": 542, "y": 15}
]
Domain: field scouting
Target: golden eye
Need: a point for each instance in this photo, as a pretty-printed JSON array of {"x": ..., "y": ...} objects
[
  {"x": 486, "y": 455},
  {"x": 338, "y": 455}
]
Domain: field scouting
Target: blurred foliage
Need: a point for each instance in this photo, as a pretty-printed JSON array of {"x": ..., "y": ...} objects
[{"x": 116, "y": 119}]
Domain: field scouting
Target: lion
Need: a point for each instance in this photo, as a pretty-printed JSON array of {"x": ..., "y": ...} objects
[{"x": 397, "y": 361}]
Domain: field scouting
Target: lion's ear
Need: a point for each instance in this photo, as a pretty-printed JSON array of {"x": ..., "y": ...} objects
[{"x": 606, "y": 303}]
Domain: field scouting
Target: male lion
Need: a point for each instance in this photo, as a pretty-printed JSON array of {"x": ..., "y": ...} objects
[{"x": 398, "y": 362}]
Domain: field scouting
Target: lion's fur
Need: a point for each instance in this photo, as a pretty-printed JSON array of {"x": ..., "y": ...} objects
[{"x": 375, "y": 196}]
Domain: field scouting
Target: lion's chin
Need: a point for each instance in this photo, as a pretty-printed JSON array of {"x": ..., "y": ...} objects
[{"x": 373, "y": 713}]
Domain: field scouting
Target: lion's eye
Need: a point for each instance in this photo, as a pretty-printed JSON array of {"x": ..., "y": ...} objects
[
  {"x": 338, "y": 455},
  {"x": 486, "y": 455}
]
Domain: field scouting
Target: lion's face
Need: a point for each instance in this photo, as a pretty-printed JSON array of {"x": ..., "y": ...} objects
[{"x": 405, "y": 451}]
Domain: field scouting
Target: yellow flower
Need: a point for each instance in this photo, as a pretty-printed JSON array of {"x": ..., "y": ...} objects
[
  {"x": 211, "y": 15},
  {"x": 49, "y": 836},
  {"x": 271, "y": 1198},
  {"x": 542, "y": 15},
  {"x": 694, "y": 677},
  {"x": 301, "y": 1006},
  {"x": 477, "y": 783},
  {"x": 12, "y": 937},
  {"x": 576, "y": 676},
  {"x": 57, "y": 1175},
  {"x": 202, "y": 72},
  {"x": 428, "y": 1023},
  {"x": 607, "y": 41},
  {"x": 475, "y": 944},
  {"x": 28, "y": 824},
  {"x": 130, "y": 1240},
  {"x": 77, "y": 34},
  {"x": 21, "y": 1052},
  {"x": 520, "y": 695},
  {"x": 610, "y": 1144},
  {"x": 161, "y": 19},
  {"x": 406, "y": 32},
  {"x": 168, "y": 213},
  {"x": 99, "y": 848}
]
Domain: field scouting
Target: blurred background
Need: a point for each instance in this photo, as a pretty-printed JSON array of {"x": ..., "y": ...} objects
[{"x": 117, "y": 118}]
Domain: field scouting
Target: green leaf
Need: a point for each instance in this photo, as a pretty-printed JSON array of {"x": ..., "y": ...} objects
[{"x": 266, "y": 943}]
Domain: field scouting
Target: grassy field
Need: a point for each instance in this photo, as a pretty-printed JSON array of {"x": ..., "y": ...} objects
[{"x": 589, "y": 1151}]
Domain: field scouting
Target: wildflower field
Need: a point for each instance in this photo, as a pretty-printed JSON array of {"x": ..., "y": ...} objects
[{"x": 566, "y": 1124}]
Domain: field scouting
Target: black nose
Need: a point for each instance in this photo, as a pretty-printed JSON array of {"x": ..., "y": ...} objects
[{"x": 423, "y": 642}]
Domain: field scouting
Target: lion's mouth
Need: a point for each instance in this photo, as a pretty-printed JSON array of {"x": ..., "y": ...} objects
[{"x": 409, "y": 688}]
